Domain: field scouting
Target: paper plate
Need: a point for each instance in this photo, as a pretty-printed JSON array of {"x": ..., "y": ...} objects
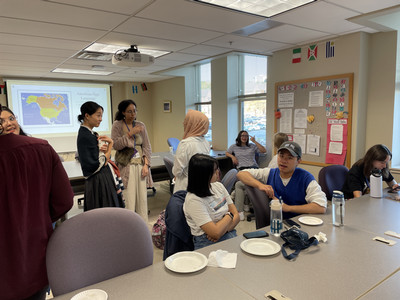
[
  {"x": 310, "y": 221},
  {"x": 261, "y": 247},
  {"x": 94, "y": 294},
  {"x": 186, "y": 262}
]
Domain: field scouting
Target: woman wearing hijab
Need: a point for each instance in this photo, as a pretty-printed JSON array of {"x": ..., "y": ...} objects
[{"x": 195, "y": 126}]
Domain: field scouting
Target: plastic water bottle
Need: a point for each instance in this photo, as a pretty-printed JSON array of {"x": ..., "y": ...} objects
[
  {"x": 276, "y": 217},
  {"x": 338, "y": 208},
  {"x": 375, "y": 183}
]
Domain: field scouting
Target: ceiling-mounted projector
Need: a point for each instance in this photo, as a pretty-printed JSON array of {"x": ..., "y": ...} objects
[{"x": 131, "y": 58}]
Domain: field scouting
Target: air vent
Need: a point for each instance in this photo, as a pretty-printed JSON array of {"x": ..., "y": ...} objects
[{"x": 94, "y": 56}]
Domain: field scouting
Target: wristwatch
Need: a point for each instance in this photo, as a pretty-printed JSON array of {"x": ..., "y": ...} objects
[{"x": 229, "y": 214}]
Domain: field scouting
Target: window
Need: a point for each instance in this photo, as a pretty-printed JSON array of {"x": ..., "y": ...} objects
[
  {"x": 204, "y": 94},
  {"x": 253, "y": 96}
]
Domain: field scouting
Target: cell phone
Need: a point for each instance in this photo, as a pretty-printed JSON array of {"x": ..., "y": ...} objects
[
  {"x": 255, "y": 234},
  {"x": 291, "y": 223}
]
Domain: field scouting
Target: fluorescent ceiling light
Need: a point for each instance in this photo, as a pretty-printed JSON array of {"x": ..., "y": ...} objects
[
  {"x": 85, "y": 72},
  {"x": 104, "y": 48},
  {"x": 265, "y": 8}
]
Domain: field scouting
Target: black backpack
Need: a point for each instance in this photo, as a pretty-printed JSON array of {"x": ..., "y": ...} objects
[{"x": 297, "y": 240}]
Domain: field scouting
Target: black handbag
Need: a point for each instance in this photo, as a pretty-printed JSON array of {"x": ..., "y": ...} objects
[{"x": 296, "y": 240}]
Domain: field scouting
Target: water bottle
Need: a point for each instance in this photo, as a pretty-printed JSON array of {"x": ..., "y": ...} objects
[
  {"x": 375, "y": 183},
  {"x": 338, "y": 208},
  {"x": 276, "y": 217}
]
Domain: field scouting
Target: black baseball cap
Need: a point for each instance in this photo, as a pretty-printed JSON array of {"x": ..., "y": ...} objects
[{"x": 292, "y": 147}]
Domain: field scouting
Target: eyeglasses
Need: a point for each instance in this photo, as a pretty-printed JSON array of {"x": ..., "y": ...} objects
[
  {"x": 245, "y": 135},
  {"x": 131, "y": 112},
  {"x": 9, "y": 119}
]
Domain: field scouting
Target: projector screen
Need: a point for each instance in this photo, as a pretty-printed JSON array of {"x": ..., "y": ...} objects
[{"x": 49, "y": 110}]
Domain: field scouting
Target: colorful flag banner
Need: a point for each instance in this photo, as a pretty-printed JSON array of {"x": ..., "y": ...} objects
[
  {"x": 330, "y": 49},
  {"x": 134, "y": 89},
  {"x": 2, "y": 89},
  {"x": 144, "y": 87},
  {"x": 312, "y": 52},
  {"x": 296, "y": 56}
]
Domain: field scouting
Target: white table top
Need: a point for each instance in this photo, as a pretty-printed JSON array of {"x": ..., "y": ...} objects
[{"x": 346, "y": 267}]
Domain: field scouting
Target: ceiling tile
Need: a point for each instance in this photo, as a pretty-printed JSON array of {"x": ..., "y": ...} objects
[
  {"x": 289, "y": 34},
  {"x": 198, "y": 15},
  {"x": 365, "y": 6},
  {"x": 205, "y": 50},
  {"x": 320, "y": 16},
  {"x": 166, "y": 30}
]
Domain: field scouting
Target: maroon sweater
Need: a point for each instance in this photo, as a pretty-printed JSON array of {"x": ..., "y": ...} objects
[{"x": 34, "y": 192}]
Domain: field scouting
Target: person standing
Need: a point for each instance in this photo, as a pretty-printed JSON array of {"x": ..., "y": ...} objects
[
  {"x": 100, "y": 187},
  {"x": 195, "y": 126},
  {"x": 34, "y": 193},
  {"x": 133, "y": 156}
]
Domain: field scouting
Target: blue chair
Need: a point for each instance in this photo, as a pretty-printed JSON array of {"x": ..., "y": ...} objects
[
  {"x": 173, "y": 142},
  {"x": 332, "y": 178},
  {"x": 178, "y": 237}
]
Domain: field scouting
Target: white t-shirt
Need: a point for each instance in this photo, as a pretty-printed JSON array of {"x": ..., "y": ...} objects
[
  {"x": 186, "y": 149},
  {"x": 274, "y": 162},
  {"x": 199, "y": 211}
]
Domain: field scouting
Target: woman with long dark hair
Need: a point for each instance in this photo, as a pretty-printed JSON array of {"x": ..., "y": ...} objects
[
  {"x": 209, "y": 210},
  {"x": 10, "y": 123},
  {"x": 94, "y": 153},
  {"x": 357, "y": 180},
  {"x": 133, "y": 156}
]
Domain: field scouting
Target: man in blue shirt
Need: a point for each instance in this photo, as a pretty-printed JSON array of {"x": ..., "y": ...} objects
[{"x": 297, "y": 188}]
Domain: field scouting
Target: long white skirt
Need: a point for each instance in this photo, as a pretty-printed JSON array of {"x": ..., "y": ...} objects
[{"x": 136, "y": 193}]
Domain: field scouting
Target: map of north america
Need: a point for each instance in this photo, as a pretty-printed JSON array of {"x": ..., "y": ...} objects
[{"x": 45, "y": 108}]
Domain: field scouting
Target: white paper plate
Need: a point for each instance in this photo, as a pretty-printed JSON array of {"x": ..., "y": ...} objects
[
  {"x": 94, "y": 294},
  {"x": 310, "y": 221},
  {"x": 261, "y": 247},
  {"x": 186, "y": 262}
]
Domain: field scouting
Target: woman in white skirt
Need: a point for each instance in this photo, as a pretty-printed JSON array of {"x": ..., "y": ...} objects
[{"x": 133, "y": 156}]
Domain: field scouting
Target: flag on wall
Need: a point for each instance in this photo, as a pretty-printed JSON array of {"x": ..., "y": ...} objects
[
  {"x": 2, "y": 89},
  {"x": 296, "y": 56},
  {"x": 330, "y": 49},
  {"x": 312, "y": 52},
  {"x": 134, "y": 89},
  {"x": 144, "y": 87}
]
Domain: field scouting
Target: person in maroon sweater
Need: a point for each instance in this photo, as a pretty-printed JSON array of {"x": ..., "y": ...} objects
[{"x": 34, "y": 192}]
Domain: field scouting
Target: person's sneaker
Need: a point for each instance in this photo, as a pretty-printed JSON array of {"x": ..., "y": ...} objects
[
  {"x": 241, "y": 216},
  {"x": 246, "y": 208}
]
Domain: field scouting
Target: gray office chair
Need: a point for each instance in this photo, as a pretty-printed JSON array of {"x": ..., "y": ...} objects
[
  {"x": 169, "y": 163},
  {"x": 173, "y": 142},
  {"x": 97, "y": 245},
  {"x": 229, "y": 179},
  {"x": 260, "y": 203}
]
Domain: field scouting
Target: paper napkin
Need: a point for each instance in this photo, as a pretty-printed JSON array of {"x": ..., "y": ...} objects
[{"x": 222, "y": 259}]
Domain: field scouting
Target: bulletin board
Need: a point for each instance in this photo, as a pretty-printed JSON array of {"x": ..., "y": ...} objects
[{"x": 317, "y": 114}]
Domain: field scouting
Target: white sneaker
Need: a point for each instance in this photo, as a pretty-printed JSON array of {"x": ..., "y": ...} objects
[
  {"x": 246, "y": 208},
  {"x": 241, "y": 216}
]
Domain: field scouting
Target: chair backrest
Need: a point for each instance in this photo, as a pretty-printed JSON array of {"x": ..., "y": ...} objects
[
  {"x": 332, "y": 178},
  {"x": 229, "y": 179},
  {"x": 169, "y": 163},
  {"x": 260, "y": 203},
  {"x": 97, "y": 245},
  {"x": 178, "y": 236},
  {"x": 173, "y": 142}
]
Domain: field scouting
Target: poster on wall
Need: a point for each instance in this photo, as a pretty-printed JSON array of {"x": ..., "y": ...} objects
[{"x": 336, "y": 149}]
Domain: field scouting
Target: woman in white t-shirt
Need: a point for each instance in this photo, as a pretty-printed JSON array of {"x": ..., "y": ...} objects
[{"x": 209, "y": 210}]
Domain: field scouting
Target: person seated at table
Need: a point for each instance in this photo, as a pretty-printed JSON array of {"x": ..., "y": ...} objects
[
  {"x": 209, "y": 210},
  {"x": 357, "y": 179},
  {"x": 10, "y": 122},
  {"x": 279, "y": 139},
  {"x": 243, "y": 155},
  {"x": 297, "y": 188},
  {"x": 195, "y": 126}
]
